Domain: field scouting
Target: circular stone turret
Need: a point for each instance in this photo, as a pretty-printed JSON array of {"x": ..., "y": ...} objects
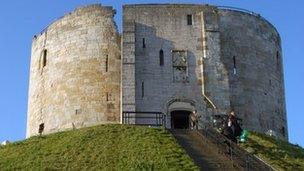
[
  {"x": 75, "y": 72},
  {"x": 251, "y": 51}
]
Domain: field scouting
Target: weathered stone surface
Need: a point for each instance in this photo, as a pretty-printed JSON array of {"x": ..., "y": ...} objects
[
  {"x": 257, "y": 88},
  {"x": 252, "y": 85},
  {"x": 80, "y": 83},
  {"x": 225, "y": 58},
  {"x": 164, "y": 27}
]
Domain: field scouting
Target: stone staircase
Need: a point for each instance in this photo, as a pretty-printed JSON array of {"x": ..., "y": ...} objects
[
  {"x": 212, "y": 151},
  {"x": 204, "y": 153}
]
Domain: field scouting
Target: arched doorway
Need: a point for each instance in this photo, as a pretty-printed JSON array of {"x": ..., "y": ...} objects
[
  {"x": 180, "y": 119},
  {"x": 179, "y": 111}
]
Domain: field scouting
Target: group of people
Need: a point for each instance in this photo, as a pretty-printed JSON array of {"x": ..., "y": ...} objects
[{"x": 230, "y": 126}]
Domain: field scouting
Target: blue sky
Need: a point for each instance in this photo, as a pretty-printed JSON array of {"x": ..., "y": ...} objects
[{"x": 20, "y": 20}]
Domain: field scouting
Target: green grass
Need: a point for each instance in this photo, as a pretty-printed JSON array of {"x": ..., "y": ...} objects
[
  {"x": 279, "y": 154},
  {"x": 104, "y": 147},
  {"x": 125, "y": 147}
]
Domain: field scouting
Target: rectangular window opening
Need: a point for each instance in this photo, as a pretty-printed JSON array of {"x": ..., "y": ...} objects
[
  {"x": 41, "y": 128},
  {"x": 142, "y": 89},
  {"x": 189, "y": 19}
]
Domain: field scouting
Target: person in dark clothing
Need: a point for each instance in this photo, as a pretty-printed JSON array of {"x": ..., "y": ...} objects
[
  {"x": 231, "y": 128},
  {"x": 237, "y": 130},
  {"x": 228, "y": 132},
  {"x": 234, "y": 125}
]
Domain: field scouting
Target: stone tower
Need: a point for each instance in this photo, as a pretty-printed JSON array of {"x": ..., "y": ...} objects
[
  {"x": 185, "y": 57},
  {"x": 176, "y": 58},
  {"x": 75, "y": 72}
]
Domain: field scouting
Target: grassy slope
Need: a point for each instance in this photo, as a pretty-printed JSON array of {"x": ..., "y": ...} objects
[
  {"x": 106, "y": 147},
  {"x": 281, "y": 155}
]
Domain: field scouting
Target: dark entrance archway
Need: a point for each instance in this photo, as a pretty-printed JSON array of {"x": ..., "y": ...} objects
[{"x": 180, "y": 119}]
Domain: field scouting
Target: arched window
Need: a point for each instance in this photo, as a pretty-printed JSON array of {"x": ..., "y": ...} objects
[{"x": 161, "y": 57}]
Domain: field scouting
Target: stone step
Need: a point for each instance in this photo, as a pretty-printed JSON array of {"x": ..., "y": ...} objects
[{"x": 203, "y": 153}]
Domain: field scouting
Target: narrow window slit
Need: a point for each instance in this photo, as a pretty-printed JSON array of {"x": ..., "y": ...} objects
[
  {"x": 142, "y": 89},
  {"x": 234, "y": 66},
  {"x": 161, "y": 57},
  {"x": 278, "y": 59},
  {"x": 144, "y": 43},
  {"x": 107, "y": 63},
  {"x": 283, "y": 131},
  {"x": 44, "y": 58}
]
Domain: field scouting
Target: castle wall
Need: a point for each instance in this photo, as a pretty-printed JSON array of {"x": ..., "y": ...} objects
[
  {"x": 257, "y": 86},
  {"x": 76, "y": 81},
  {"x": 234, "y": 61},
  {"x": 128, "y": 65},
  {"x": 224, "y": 59},
  {"x": 216, "y": 87},
  {"x": 164, "y": 27}
]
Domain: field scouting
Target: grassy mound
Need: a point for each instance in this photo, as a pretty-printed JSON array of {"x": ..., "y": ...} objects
[
  {"x": 279, "y": 154},
  {"x": 105, "y": 147}
]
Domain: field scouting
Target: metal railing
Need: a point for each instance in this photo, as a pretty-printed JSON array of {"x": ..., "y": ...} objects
[
  {"x": 155, "y": 119},
  {"x": 238, "y": 9},
  {"x": 248, "y": 12},
  {"x": 229, "y": 148}
]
